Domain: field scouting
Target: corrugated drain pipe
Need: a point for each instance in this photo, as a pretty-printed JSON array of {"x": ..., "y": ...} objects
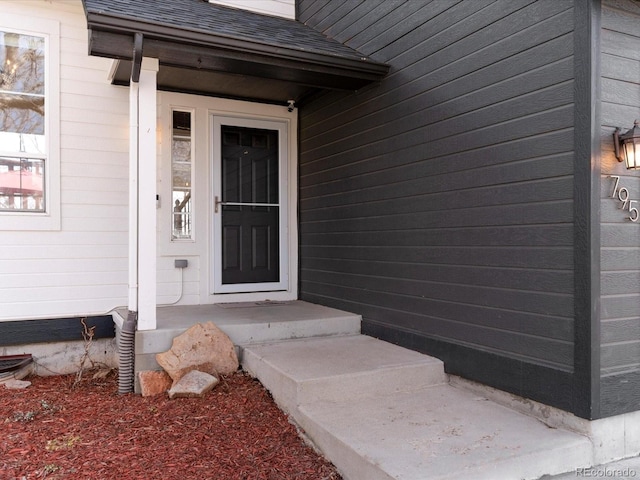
[
  {"x": 126, "y": 353},
  {"x": 126, "y": 344}
]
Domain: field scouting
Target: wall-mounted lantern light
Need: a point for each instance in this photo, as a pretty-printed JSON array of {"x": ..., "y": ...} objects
[{"x": 627, "y": 146}]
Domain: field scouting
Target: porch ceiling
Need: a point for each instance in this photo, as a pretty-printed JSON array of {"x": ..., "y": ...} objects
[{"x": 216, "y": 50}]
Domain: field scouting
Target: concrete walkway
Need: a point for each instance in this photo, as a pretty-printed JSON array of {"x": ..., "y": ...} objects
[{"x": 379, "y": 411}]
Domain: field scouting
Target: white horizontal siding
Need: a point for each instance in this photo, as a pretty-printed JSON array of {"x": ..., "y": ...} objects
[
  {"x": 27, "y": 240},
  {"x": 90, "y": 130},
  {"x": 95, "y": 185},
  {"x": 55, "y": 304},
  {"x": 26, "y": 281},
  {"x": 81, "y": 269},
  {"x": 81, "y": 115},
  {"x": 92, "y": 197},
  {"x": 96, "y": 158},
  {"x": 96, "y": 226},
  {"x": 170, "y": 279},
  {"x": 59, "y": 292},
  {"x": 79, "y": 264},
  {"x": 119, "y": 104},
  {"x": 280, "y": 8},
  {"x": 92, "y": 170}
]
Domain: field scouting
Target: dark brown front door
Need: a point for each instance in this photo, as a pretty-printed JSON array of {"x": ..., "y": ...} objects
[{"x": 249, "y": 205}]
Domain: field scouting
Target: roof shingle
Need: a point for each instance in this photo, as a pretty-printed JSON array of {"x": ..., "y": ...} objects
[{"x": 204, "y": 17}]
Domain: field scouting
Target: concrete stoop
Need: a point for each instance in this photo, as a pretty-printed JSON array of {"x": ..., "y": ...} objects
[
  {"x": 245, "y": 323},
  {"x": 379, "y": 411}
]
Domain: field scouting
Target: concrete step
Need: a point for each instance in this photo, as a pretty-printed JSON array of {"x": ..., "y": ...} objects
[
  {"x": 245, "y": 323},
  {"x": 440, "y": 433},
  {"x": 333, "y": 368},
  {"x": 275, "y": 321},
  {"x": 380, "y": 412}
]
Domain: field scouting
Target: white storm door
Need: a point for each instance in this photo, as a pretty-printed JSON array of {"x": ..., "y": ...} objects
[{"x": 250, "y": 185}]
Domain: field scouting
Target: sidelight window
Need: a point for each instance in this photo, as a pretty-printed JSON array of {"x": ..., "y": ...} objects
[{"x": 182, "y": 175}]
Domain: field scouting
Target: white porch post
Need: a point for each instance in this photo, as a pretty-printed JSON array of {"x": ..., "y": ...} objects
[
  {"x": 147, "y": 194},
  {"x": 133, "y": 197}
]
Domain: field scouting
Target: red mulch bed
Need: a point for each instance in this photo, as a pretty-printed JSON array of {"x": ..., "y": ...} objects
[{"x": 55, "y": 430}]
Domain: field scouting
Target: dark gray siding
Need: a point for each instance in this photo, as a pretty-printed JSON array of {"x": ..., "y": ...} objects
[
  {"x": 620, "y": 307},
  {"x": 439, "y": 204}
]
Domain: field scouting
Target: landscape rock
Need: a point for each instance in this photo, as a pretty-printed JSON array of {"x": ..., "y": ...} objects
[
  {"x": 17, "y": 384},
  {"x": 193, "y": 384},
  {"x": 154, "y": 382},
  {"x": 203, "y": 347}
]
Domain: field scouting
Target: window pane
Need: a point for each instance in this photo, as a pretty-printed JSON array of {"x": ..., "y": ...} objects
[
  {"x": 22, "y": 59},
  {"x": 21, "y": 114},
  {"x": 21, "y": 184},
  {"x": 21, "y": 142},
  {"x": 181, "y": 175},
  {"x": 181, "y": 215},
  {"x": 22, "y": 83}
]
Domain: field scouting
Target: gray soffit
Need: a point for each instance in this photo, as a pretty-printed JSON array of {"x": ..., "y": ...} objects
[{"x": 215, "y": 50}]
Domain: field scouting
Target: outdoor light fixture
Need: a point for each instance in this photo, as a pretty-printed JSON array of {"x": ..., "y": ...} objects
[{"x": 627, "y": 146}]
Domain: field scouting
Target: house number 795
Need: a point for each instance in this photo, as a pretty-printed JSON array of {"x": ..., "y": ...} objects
[{"x": 622, "y": 194}]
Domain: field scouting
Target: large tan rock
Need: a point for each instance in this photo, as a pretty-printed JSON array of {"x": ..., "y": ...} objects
[{"x": 203, "y": 347}]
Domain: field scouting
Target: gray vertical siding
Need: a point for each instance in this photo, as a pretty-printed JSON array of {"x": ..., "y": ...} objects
[
  {"x": 620, "y": 304},
  {"x": 439, "y": 204}
]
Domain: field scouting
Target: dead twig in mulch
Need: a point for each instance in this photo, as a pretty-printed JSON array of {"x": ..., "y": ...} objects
[
  {"x": 235, "y": 432},
  {"x": 100, "y": 369},
  {"x": 87, "y": 336}
]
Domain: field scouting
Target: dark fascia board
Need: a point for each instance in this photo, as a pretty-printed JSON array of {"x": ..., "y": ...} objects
[
  {"x": 196, "y": 57},
  {"x": 112, "y": 36}
]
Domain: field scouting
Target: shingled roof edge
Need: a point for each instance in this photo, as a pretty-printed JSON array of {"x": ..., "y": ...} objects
[{"x": 110, "y": 22}]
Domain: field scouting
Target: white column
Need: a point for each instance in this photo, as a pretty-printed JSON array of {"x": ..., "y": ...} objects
[
  {"x": 147, "y": 195},
  {"x": 133, "y": 197}
]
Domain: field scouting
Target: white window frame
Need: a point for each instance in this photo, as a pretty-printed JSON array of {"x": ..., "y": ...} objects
[
  {"x": 168, "y": 102},
  {"x": 192, "y": 112},
  {"x": 50, "y": 218}
]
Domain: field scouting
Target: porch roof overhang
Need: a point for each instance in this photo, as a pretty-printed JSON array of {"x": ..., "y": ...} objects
[{"x": 211, "y": 49}]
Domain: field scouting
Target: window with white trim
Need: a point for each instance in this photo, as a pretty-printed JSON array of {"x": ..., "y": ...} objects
[
  {"x": 23, "y": 155},
  {"x": 29, "y": 123}
]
